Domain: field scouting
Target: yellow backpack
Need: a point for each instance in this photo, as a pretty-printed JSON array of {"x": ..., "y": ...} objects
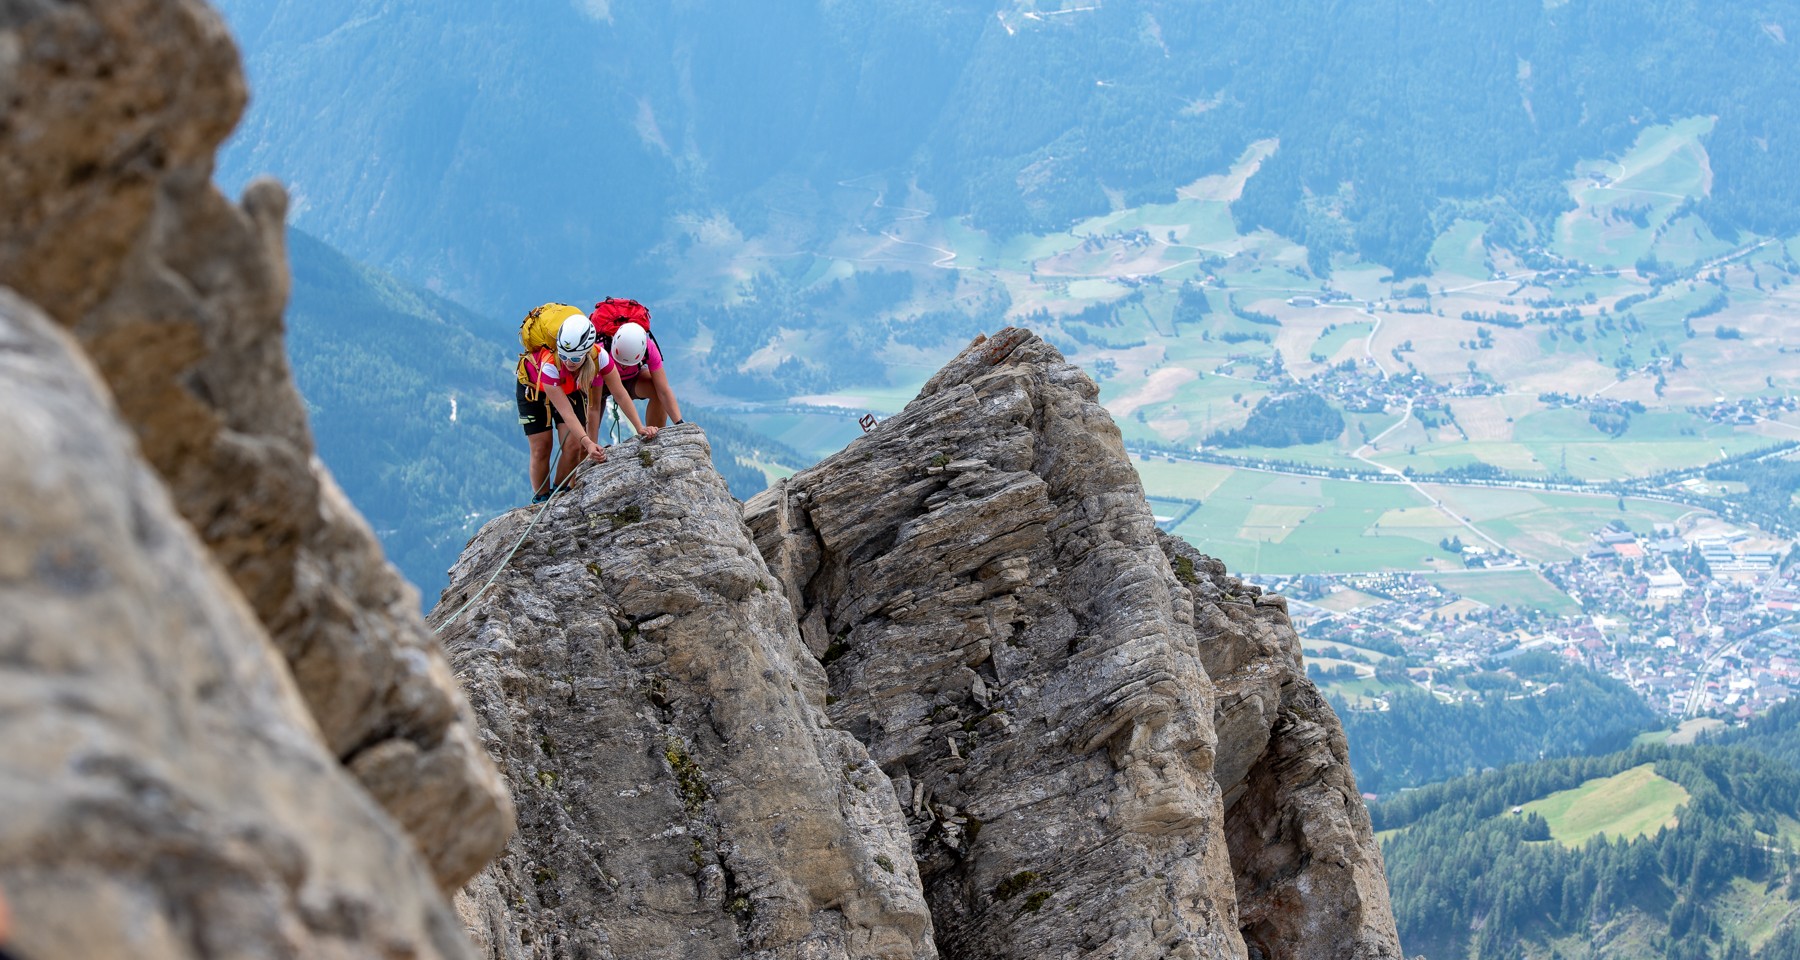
[{"x": 540, "y": 329}]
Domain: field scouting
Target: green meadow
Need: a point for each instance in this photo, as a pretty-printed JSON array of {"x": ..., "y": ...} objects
[
  {"x": 1519, "y": 589},
  {"x": 1630, "y": 804},
  {"x": 1544, "y": 526},
  {"x": 1274, "y": 524}
]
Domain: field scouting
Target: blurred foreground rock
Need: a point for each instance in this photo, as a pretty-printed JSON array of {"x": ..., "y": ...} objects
[
  {"x": 165, "y": 790},
  {"x": 109, "y": 222}
]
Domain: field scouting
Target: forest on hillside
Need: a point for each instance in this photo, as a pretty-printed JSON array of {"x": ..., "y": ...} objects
[
  {"x": 1578, "y": 712},
  {"x": 1476, "y": 871}
]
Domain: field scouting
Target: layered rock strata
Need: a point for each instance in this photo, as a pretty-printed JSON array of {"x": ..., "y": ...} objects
[
  {"x": 1104, "y": 745},
  {"x": 1310, "y": 880},
  {"x": 639, "y": 676},
  {"x": 166, "y": 794},
  {"x": 109, "y": 221}
]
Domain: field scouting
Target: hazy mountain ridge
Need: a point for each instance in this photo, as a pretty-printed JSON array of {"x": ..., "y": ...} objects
[{"x": 1021, "y": 119}]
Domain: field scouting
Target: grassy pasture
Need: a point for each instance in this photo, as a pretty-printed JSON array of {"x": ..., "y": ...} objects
[
  {"x": 1629, "y": 804},
  {"x": 1691, "y": 730},
  {"x": 1360, "y": 693},
  {"x": 1548, "y": 527},
  {"x": 1686, "y": 733},
  {"x": 1346, "y": 600},
  {"x": 1329, "y": 345},
  {"x": 1519, "y": 589},
  {"x": 1269, "y": 523},
  {"x": 1460, "y": 253},
  {"x": 1666, "y": 166},
  {"x": 1277, "y": 524},
  {"x": 1178, "y": 479},
  {"x": 1550, "y": 442},
  {"x": 817, "y": 435},
  {"x": 1195, "y": 409}
]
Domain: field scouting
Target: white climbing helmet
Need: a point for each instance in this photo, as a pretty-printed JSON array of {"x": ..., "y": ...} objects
[
  {"x": 574, "y": 340},
  {"x": 630, "y": 344}
]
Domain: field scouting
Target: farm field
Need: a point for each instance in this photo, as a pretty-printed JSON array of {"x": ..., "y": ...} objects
[
  {"x": 1363, "y": 692},
  {"x": 1179, "y": 479},
  {"x": 1544, "y": 526},
  {"x": 1519, "y": 589},
  {"x": 1270, "y": 523},
  {"x": 817, "y": 435},
  {"x": 1346, "y": 600},
  {"x": 1687, "y": 733},
  {"x": 1629, "y": 804}
]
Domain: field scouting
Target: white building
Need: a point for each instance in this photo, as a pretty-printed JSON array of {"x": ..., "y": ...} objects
[{"x": 1667, "y": 585}]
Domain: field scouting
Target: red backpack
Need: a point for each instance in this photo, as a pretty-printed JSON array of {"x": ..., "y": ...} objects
[{"x": 614, "y": 312}]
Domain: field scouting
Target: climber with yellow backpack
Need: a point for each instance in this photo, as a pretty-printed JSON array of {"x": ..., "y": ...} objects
[{"x": 561, "y": 360}]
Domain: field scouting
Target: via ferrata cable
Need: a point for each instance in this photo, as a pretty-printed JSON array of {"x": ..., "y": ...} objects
[{"x": 566, "y": 485}]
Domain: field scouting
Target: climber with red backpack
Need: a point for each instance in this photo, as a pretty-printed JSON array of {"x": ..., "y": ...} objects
[
  {"x": 556, "y": 373},
  {"x": 624, "y": 329}
]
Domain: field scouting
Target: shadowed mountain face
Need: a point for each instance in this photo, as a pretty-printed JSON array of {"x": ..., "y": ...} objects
[
  {"x": 500, "y": 151},
  {"x": 1072, "y": 735}
]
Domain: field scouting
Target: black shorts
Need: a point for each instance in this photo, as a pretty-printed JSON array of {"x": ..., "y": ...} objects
[{"x": 536, "y": 415}]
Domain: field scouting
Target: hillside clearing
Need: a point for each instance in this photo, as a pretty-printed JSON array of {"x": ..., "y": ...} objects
[{"x": 1630, "y": 804}]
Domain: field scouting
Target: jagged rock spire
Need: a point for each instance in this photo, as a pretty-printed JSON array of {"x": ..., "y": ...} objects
[{"x": 1104, "y": 745}]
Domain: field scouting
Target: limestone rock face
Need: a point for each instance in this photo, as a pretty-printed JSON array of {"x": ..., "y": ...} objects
[
  {"x": 1104, "y": 746},
  {"x": 639, "y": 674},
  {"x": 1310, "y": 878},
  {"x": 166, "y": 794},
  {"x": 109, "y": 221}
]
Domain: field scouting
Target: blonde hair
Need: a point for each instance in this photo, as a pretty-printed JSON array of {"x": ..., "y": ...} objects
[{"x": 584, "y": 375}]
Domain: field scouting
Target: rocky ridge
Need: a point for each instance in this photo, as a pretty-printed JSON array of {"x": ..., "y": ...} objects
[
  {"x": 640, "y": 677},
  {"x": 1073, "y": 735}
]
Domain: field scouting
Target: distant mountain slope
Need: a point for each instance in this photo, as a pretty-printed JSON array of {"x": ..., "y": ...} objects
[
  {"x": 499, "y": 149},
  {"x": 411, "y": 399},
  {"x": 412, "y": 409}
]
